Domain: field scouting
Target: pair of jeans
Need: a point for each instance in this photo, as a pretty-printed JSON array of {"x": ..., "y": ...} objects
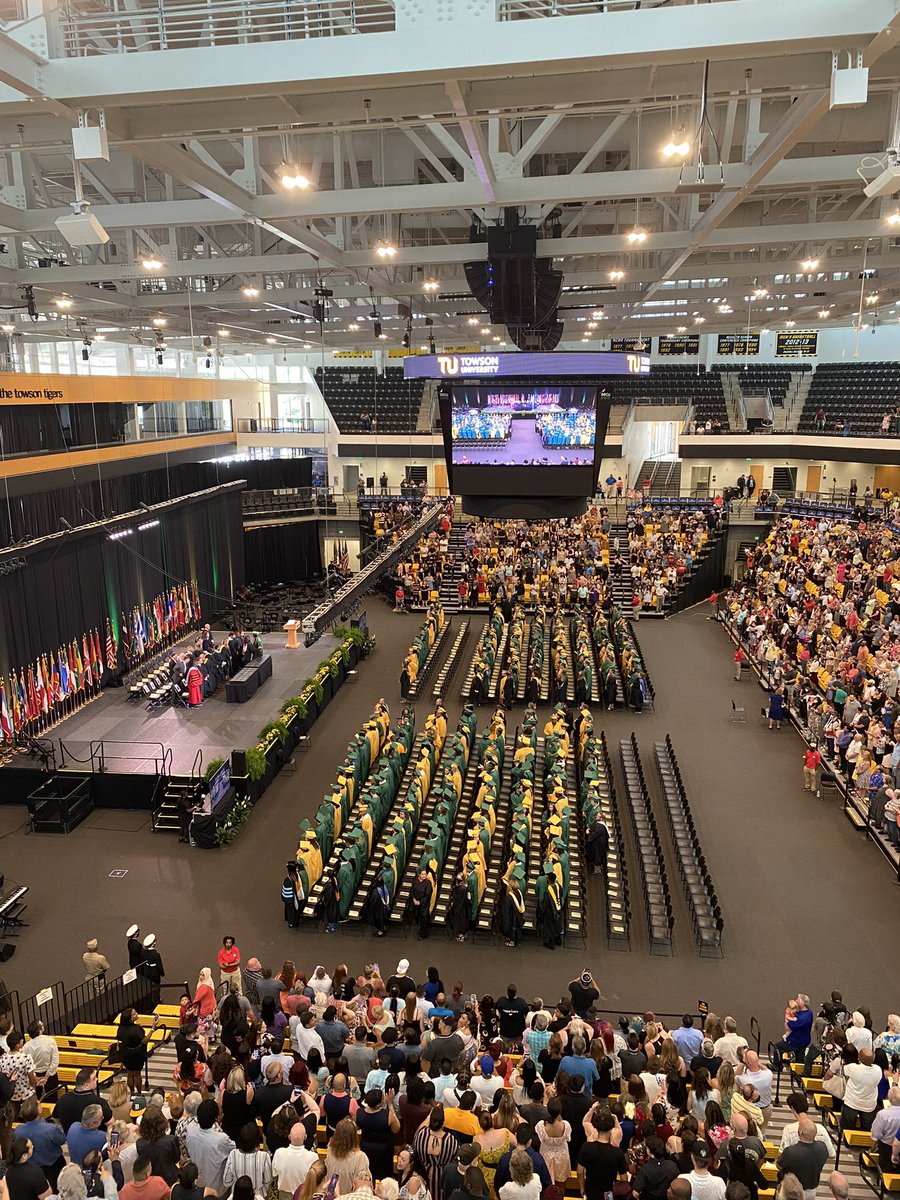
[
  {"x": 851, "y": 1117},
  {"x": 784, "y": 1048}
]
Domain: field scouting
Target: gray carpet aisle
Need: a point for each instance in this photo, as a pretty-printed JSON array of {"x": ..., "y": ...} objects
[{"x": 807, "y": 905}]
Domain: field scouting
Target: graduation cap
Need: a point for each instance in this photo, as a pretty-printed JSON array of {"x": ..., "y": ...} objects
[
  {"x": 304, "y": 826},
  {"x": 517, "y": 876},
  {"x": 559, "y": 843}
]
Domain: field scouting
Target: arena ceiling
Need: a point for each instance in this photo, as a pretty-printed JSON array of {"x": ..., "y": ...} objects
[{"x": 414, "y": 121}]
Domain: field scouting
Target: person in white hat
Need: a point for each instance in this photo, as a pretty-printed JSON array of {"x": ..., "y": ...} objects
[
  {"x": 135, "y": 949},
  {"x": 151, "y": 968},
  {"x": 401, "y": 980},
  {"x": 95, "y": 966}
]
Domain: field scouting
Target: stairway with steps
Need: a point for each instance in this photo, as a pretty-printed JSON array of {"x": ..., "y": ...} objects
[
  {"x": 664, "y": 475},
  {"x": 787, "y": 420},
  {"x": 456, "y": 546},
  {"x": 620, "y": 585},
  {"x": 731, "y": 389},
  {"x": 177, "y": 789}
]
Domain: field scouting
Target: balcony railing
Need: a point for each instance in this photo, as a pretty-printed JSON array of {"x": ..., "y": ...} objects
[
  {"x": 282, "y": 425},
  {"x": 523, "y": 10},
  {"x": 168, "y": 25}
]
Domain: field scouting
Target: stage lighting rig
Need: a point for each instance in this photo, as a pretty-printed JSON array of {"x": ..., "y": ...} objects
[{"x": 30, "y": 305}]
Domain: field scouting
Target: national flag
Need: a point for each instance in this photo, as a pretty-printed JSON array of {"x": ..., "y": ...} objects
[
  {"x": 180, "y": 594},
  {"x": 22, "y": 696},
  {"x": 96, "y": 657},
  {"x": 139, "y": 642},
  {"x": 195, "y": 599},
  {"x": 6, "y": 729},
  {"x": 160, "y": 618},
  {"x": 57, "y": 684},
  {"x": 124, "y": 641},
  {"x": 345, "y": 558},
  {"x": 112, "y": 653},
  {"x": 63, "y": 673},
  {"x": 87, "y": 673},
  {"x": 74, "y": 677},
  {"x": 14, "y": 707},
  {"x": 46, "y": 684},
  {"x": 149, "y": 635},
  {"x": 34, "y": 704}
]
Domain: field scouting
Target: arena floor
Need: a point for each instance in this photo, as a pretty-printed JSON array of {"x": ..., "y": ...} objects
[{"x": 808, "y": 905}]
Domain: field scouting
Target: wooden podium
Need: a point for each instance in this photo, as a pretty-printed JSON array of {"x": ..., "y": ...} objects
[{"x": 291, "y": 628}]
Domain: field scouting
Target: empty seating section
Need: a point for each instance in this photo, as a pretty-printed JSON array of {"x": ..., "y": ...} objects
[
  {"x": 698, "y": 885},
  {"x": 598, "y": 795},
  {"x": 657, "y": 897},
  {"x": 760, "y": 377},
  {"x": 362, "y": 401},
  {"x": 855, "y": 392},
  {"x": 670, "y": 384}
]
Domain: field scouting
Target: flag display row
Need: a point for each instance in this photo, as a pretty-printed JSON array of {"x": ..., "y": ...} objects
[{"x": 60, "y": 681}]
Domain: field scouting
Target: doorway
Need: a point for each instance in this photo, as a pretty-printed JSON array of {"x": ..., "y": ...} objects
[{"x": 813, "y": 478}]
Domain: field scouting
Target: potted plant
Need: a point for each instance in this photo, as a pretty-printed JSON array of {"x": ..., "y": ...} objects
[
  {"x": 228, "y": 829},
  {"x": 274, "y": 728},
  {"x": 211, "y": 767}
]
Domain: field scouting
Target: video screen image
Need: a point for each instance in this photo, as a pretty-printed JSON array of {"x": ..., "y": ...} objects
[{"x": 508, "y": 427}]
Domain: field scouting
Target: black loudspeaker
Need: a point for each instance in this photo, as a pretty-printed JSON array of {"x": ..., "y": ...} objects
[
  {"x": 7, "y": 950},
  {"x": 238, "y": 762}
]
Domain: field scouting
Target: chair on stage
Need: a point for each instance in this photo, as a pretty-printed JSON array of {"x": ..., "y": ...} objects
[{"x": 738, "y": 712}]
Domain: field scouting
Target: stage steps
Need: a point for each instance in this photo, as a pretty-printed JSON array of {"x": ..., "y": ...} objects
[
  {"x": 448, "y": 670},
  {"x": 376, "y": 858},
  {"x": 178, "y": 787},
  {"x": 416, "y": 689}
]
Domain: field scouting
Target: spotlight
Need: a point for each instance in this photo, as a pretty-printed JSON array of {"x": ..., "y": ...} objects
[
  {"x": 873, "y": 298},
  {"x": 292, "y": 178},
  {"x": 159, "y": 358},
  {"x": 382, "y": 337},
  {"x": 151, "y": 264},
  {"x": 893, "y": 218},
  {"x": 790, "y": 324},
  {"x": 63, "y": 302},
  {"x": 760, "y": 293},
  {"x": 430, "y": 285},
  {"x": 592, "y": 324},
  {"x": 725, "y": 308},
  {"x": 353, "y": 325},
  {"x": 28, "y": 297},
  {"x": 8, "y": 327},
  {"x": 472, "y": 321},
  {"x": 682, "y": 328},
  {"x": 377, "y": 328},
  {"x": 224, "y": 332},
  {"x": 385, "y": 250},
  {"x": 616, "y": 275},
  {"x": 809, "y": 264},
  {"x": 598, "y": 314},
  {"x": 85, "y": 350},
  {"x": 250, "y": 291},
  {"x": 495, "y": 338},
  {"x": 271, "y": 341},
  {"x": 485, "y": 329},
  {"x": 824, "y": 313},
  {"x": 307, "y": 346},
  {"x": 678, "y": 145},
  {"x": 159, "y": 321},
  {"x": 699, "y": 320},
  {"x": 638, "y": 234}
]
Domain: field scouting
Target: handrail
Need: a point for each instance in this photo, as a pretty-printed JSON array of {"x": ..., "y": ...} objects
[
  {"x": 755, "y": 1033},
  {"x": 98, "y": 752}
]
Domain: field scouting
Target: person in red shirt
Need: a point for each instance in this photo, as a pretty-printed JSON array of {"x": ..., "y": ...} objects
[
  {"x": 739, "y": 659},
  {"x": 229, "y": 960},
  {"x": 812, "y": 760},
  {"x": 144, "y": 1186}
]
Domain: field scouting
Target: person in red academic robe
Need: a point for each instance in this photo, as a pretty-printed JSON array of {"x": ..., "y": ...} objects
[{"x": 195, "y": 684}]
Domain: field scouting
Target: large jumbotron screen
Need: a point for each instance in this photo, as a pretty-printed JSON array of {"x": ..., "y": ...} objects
[{"x": 525, "y": 438}]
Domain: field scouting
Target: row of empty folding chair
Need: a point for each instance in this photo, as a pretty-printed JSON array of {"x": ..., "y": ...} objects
[
  {"x": 699, "y": 891},
  {"x": 657, "y": 897}
]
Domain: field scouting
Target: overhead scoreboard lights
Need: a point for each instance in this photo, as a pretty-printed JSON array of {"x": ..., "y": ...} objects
[
  {"x": 740, "y": 345},
  {"x": 542, "y": 366},
  {"x": 679, "y": 343},
  {"x": 796, "y": 343}
]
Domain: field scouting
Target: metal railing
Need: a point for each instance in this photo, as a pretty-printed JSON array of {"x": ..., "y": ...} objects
[
  {"x": 168, "y": 25},
  {"x": 518, "y": 10},
  {"x": 282, "y": 425}
]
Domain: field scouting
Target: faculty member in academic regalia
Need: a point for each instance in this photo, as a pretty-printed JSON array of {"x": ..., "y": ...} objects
[{"x": 195, "y": 685}]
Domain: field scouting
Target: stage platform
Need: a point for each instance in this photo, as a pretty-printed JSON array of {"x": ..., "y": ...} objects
[{"x": 216, "y": 726}]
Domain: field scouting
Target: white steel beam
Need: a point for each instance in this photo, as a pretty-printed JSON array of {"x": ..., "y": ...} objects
[{"x": 475, "y": 141}]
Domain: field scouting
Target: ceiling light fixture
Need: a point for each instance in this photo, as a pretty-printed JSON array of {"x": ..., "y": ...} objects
[
  {"x": 430, "y": 285},
  {"x": 616, "y": 274},
  {"x": 725, "y": 308},
  {"x": 873, "y": 298},
  {"x": 809, "y": 264},
  {"x": 790, "y": 324},
  {"x": 678, "y": 145},
  {"x": 598, "y": 314},
  {"x": 159, "y": 321},
  {"x": 63, "y": 302},
  {"x": 224, "y": 332},
  {"x": 292, "y": 177},
  {"x": 824, "y": 313},
  {"x": 699, "y": 320},
  {"x": 385, "y": 250},
  {"x": 270, "y": 341},
  {"x": 250, "y": 291},
  {"x": 151, "y": 264},
  {"x": 485, "y": 329},
  {"x": 353, "y": 325},
  {"x": 472, "y": 321},
  {"x": 682, "y": 328},
  {"x": 638, "y": 234},
  {"x": 760, "y": 293},
  {"x": 8, "y": 327},
  {"x": 893, "y": 218}
]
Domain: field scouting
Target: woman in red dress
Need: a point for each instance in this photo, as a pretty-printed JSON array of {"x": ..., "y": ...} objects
[{"x": 195, "y": 684}]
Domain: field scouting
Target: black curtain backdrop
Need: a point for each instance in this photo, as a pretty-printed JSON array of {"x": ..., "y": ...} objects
[
  {"x": 38, "y": 510},
  {"x": 283, "y": 553},
  {"x": 70, "y": 585}
]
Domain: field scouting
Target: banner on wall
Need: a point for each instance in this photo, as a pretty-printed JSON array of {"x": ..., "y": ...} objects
[
  {"x": 679, "y": 344},
  {"x": 738, "y": 344},
  {"x": 797, "y": 343},
  {"x": 630, "y": 345}
]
